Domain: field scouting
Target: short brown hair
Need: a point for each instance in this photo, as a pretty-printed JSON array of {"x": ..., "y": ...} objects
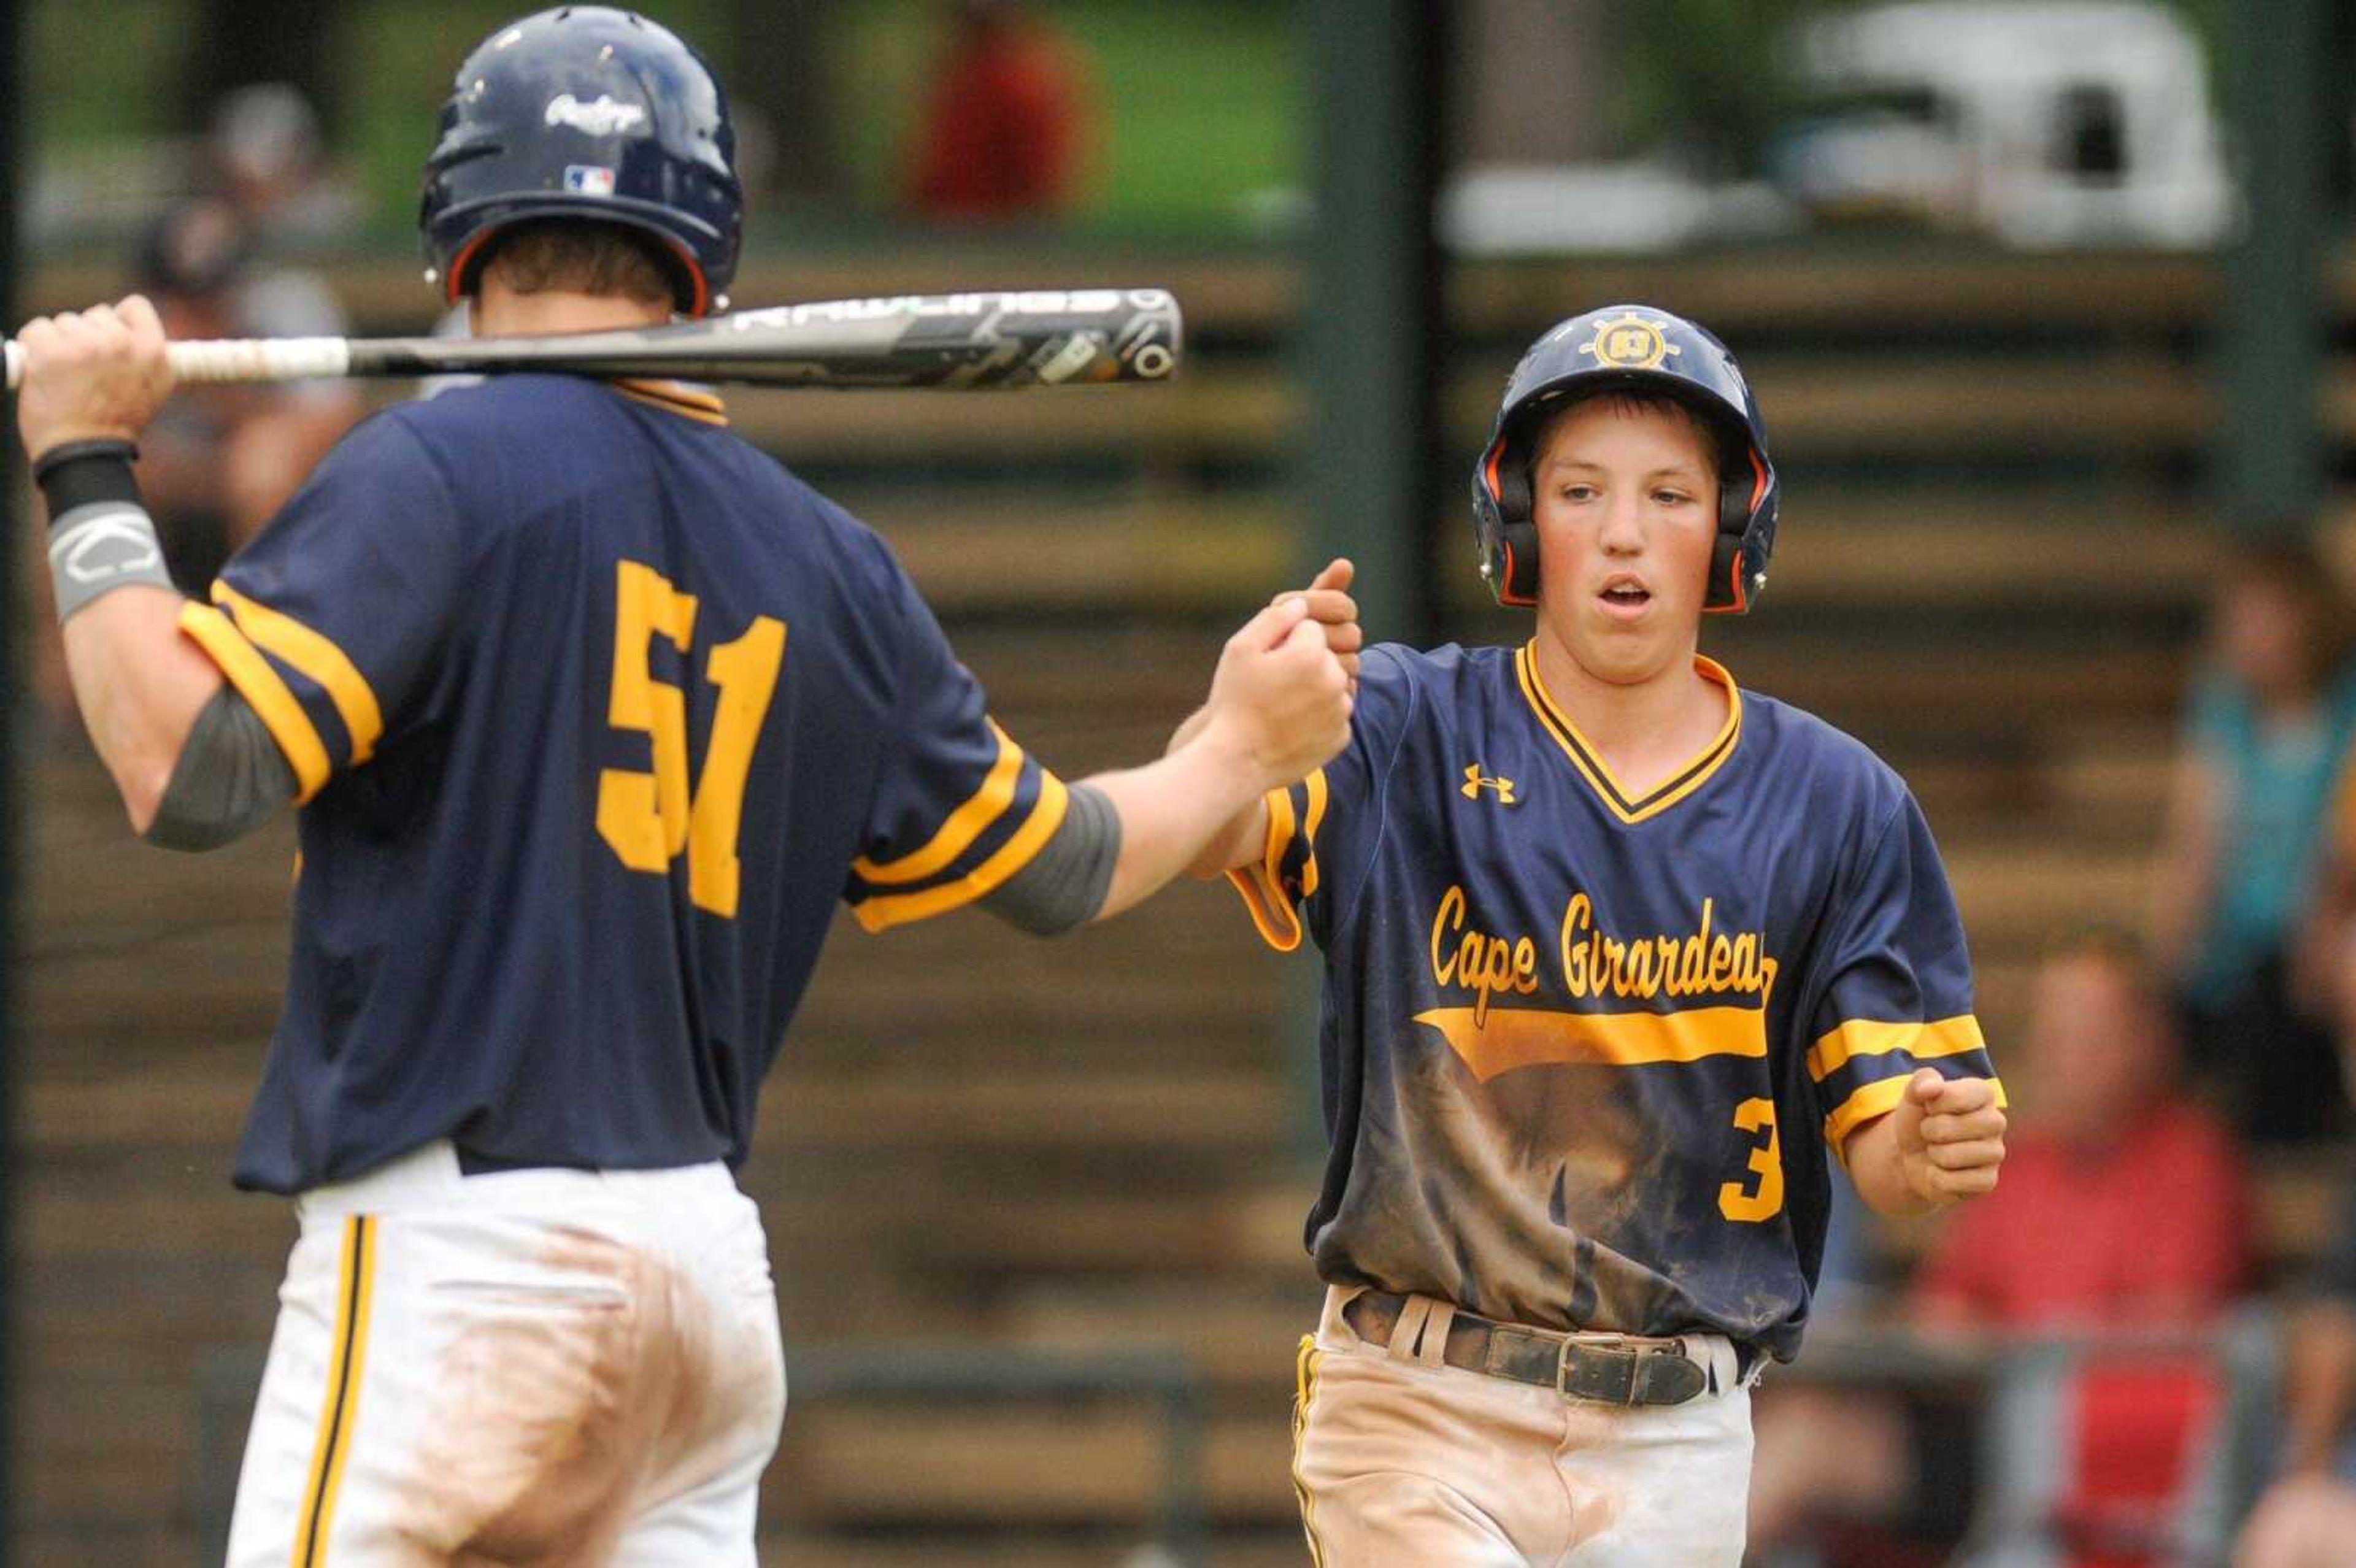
[
  {"x": 1630, "y": 399},
  {"x": 588, "y": 258}
]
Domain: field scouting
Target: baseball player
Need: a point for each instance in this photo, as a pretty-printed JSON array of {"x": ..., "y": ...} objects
[
  {"x": 593, "y": 713},
  {"x": 1620, "y": 960}
]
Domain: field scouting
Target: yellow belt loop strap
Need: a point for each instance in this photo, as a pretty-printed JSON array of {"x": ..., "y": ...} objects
[{"x": 339, "y": 1410}]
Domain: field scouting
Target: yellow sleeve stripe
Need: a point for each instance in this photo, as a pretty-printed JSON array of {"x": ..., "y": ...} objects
[
  {"x": 1876, "y": 1099},
  {"x": 964, "y": 825},
  {"x": 259, "y": 685},
  {"x": 1310, "y": 822},
  {"x": 323, "y": 662},
  {"x": 1922, "y": 1042},
  {"x": 898, "y": 908},
  {"x": 1261, "y": 883},
  {"x": 1280, "y": 836}
]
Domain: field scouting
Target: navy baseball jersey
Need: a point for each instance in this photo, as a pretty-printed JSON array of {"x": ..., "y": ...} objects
[
  {"x": 1588, "y": 1056},
  {"x": 596, "y": 713}
]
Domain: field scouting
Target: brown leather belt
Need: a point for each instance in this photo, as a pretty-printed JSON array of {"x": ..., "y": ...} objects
[{"x": 1610, "y": 1368}]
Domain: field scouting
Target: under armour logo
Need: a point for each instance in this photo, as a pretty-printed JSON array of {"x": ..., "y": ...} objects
[
  {"x": 1474, "y": 783},
  {"x": 116, "y": 543},
  {"x": 601, "y": 116}
]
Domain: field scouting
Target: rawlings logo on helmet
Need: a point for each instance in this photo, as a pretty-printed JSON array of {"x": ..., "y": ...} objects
[{"x": 601, "y": 116}]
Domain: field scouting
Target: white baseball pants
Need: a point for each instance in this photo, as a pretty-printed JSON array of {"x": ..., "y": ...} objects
[
  {"x": 534, "y": 1367},
  {"x": 1401, "y": 1461}
]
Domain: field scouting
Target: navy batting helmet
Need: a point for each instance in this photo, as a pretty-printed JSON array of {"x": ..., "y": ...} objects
[
  {"x": 586, "y": 112},
  {"x": 1638, "y": 347}
]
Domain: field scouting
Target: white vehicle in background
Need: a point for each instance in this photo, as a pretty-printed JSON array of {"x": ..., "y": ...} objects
[
  {"x": 1642, "y": 205},
  {"x": 2045, "y": 125}
]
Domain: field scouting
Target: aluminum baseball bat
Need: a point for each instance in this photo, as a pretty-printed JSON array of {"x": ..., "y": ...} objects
[{"x": 958, "y": 342}]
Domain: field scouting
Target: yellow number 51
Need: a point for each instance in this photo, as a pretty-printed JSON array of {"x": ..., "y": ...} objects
[{"x": 648, "y": 819}]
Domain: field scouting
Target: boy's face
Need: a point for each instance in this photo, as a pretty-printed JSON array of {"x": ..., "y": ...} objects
[{"x": 1625, "y": 499}]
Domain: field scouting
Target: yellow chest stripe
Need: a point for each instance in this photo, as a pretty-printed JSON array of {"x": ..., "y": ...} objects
[{"x": 1529, "y": 1037}]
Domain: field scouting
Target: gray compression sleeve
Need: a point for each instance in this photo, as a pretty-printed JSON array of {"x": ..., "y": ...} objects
[
  {"x": 231, "y": 777},
  {"x": 1065, "y": 883}
]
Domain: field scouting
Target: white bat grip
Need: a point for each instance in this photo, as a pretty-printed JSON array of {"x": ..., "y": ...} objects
[
  {"x": 238, "y": 359},
  {"x": 259, "y": 358}
]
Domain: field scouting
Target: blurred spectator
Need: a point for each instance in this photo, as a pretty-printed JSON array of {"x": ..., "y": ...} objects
[
  {"x": 2110, "y": 1140},
  {"x": 2308, "y": 1518},
  {"x": 1005, "y": 127},
  {"x": 219, "y": 461},
  {"x": 2266, "y": 728},
  {"x": 2066, "y": 1244},
  {"x": 270, "y": 165}
]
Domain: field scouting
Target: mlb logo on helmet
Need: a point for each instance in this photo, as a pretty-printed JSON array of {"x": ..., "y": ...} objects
[{"x": 588, "y": 179}]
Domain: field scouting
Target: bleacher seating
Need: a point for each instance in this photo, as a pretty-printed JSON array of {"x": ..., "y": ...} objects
[{"x": 1992, "y": 567}]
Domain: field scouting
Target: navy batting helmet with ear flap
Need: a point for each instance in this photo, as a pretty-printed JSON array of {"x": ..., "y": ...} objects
[
  {"x": 1638, "y": 348},
  {"x": 585, "y": 111}
]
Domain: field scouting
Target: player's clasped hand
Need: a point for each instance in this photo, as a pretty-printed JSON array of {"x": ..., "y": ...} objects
[
  {"x": 93, "y": 374},
  {"x": 1331, "y": 606},
  {"x": 1950, "y": 1136},
  {"x": 1281, "y": 697}
]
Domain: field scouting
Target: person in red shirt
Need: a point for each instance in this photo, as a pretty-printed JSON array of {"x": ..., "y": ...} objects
[
  {"x": 1005, "y": 127},
  {"x": 2124, "y": 1201},
  {"x": 2123, "y": 1207}
]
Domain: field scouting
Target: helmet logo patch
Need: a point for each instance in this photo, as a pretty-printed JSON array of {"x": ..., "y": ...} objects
[
  {"x": 1630, "y": 342},
  {"x": 601, "y": 116},
  {"x": 588, "y": 179}
]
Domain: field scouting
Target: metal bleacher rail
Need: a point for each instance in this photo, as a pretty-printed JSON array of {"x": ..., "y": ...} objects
[{"x": 2020, "y": 1383}]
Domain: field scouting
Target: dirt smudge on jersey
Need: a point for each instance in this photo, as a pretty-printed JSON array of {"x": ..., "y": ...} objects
[
  {"x": 1525, "y": 1143},
  {"x": 555, "y": 1406}
]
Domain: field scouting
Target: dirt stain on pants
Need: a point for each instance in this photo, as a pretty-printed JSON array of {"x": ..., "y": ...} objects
[{"x": 560, "y": 1408}]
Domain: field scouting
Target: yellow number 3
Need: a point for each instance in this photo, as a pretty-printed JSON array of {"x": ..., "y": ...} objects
[
  {"x": 1766, "y": 1200},
  {"x": 646, "y": 818}
]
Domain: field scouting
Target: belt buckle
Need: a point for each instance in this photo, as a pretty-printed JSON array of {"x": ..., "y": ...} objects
[
  {"x": 1631, "y": 1350},
  {"x": 1613, "y": 1344}
]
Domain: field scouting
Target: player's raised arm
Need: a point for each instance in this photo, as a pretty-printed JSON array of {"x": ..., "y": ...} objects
[
  {"x": 92, "y": 381},
  {"x": 1331, "y": 607}
]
